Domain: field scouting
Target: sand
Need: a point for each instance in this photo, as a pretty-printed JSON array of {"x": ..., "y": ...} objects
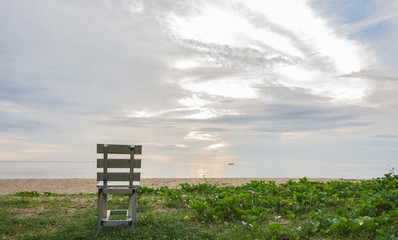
[{"x": 75, "y": 186}]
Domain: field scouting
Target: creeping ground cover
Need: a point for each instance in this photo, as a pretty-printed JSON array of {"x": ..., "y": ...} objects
[
  {"x": 257, "y": 210},
  {"x": 296, "y": 210}
]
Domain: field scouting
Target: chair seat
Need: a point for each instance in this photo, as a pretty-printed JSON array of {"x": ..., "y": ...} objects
[{"x": 121, "y": 184}]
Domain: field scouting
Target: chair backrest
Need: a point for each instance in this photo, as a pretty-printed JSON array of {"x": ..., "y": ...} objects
[{"x": 108, "y": 162}]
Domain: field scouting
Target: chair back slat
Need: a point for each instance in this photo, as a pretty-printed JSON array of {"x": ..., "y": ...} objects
[
  {"x": 119, "y": 149},
  {"x": 118, "y": 163},
  {"x": 118, "y": 176}
]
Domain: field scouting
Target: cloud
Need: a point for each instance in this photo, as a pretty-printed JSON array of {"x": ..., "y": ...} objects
[
  {"x": 374, "y": 23},
  {"x": 211, "y": 82},
  {"x": 197, "y": 135},
  {"x": 262, "y": 48},
  {"x": 389, "y": 137},
  {"x": 166, "y": 147},
  {"x": 217, "y": 146},
  {"x": 17, "y": 118}
]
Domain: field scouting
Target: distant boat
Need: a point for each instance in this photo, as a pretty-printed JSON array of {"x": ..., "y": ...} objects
[{"x": 231, "y": 164}]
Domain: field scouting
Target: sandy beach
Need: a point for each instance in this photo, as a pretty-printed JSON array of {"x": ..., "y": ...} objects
[{"x": 75, "y": 186}]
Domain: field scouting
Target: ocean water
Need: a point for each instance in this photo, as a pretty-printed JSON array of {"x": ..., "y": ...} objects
[
  {"x": 46, "y": 169},
  {"x": 87, "y": 169}
]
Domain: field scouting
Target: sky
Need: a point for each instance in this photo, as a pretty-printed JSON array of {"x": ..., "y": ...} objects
[{"x": 278, "y": 88}]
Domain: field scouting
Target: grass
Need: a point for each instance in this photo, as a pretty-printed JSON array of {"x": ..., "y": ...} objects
[
  {"x": 257, "y": 210},
  {"x": 74, "y": 217}
]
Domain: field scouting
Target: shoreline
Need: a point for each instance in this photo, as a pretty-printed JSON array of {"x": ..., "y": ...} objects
[{"x": 88, "y": 185}]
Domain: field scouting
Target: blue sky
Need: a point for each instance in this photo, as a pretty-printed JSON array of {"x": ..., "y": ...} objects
[{"x": 280, "y": 88}]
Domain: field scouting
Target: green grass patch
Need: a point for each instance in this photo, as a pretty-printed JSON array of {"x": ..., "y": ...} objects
[{"x": 256, "y": 210}]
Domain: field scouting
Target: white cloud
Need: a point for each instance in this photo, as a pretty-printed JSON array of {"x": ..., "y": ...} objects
[
  {"x": 135, "y": 6},
  {"x": 204, "y": 113},
  {"x": 337, "y": 88},
  {"x": 209, "y": 113},
  {"x": 314, "y": 56},
  {"x": 301, "y": 21},
  {"x": 226, "y": 26},
  {"x": 188, "y": 63},
  {"x": 193, "y": 101},
  {"x": 197, "y": 135},
  {"x": 224, "y": 87},
  {"x": 141, "y": 114},
  {"x": 217, "y": 147}
]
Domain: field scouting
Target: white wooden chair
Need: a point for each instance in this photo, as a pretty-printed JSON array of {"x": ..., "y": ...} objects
[{"x": 121, "y": 182}]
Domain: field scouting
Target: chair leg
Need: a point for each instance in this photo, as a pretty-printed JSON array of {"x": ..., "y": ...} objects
[
  {"x": 105, "y": 206},
  {"x": 103, "y": 209},
  {"x": 100, "y": 209},
  {"x": 130, "y": 206},
  {"x": 133, "y": 206}
]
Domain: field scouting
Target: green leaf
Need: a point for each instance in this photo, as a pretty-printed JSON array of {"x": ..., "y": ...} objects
[
  {"x": 371, "y": 209},
  {"x": 291, "y": 216},
  {"x": 372, "y": 225},
  {"x": 333, "y": 226},
  {"x": 334, "y": 221},
  {"x": 312, "y": 214},
  {"x": 340, "y": 211},
  {"x": 381, "y": 232},
  {"x": 383, "y": 218},
  {"x": 254, "y": 225},
  {"x": 274, "y": 226},
  {"x": 367, "y": 218},
  {"x": 296, "y": 208},
  {"x": 393, "y": 213},
  {"x": 315, "y": 224},
  {"x": 343, "y": 219},
  {"x": 354, "y": 225},
  {"x": 380, "y": 238}
]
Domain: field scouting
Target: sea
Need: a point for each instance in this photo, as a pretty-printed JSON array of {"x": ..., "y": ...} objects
[{"x": 87, "y": 169}]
